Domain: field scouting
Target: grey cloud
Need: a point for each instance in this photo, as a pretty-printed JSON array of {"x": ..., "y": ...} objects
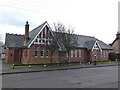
[{"x": 13, "y": 16}]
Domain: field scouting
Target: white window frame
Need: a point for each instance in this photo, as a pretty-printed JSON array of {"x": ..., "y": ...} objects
[
  {"x": 80, "y": 53},
  {"x": 101, "y": 53},
  {"x": 104, "y": 53},
  {"x": 75, "y": 53},
  {"x": 71, "y": 53}
]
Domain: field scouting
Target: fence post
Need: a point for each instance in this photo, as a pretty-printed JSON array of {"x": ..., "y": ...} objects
[
  {"x": 29, "y": 66},
  {"x": 57, "y": 63},
  {"x": 69, "y": 62},
  {"x": 80, "y": 62}
]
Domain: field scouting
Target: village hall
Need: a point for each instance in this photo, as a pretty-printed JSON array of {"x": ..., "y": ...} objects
[{"x": 32, "y": 47}]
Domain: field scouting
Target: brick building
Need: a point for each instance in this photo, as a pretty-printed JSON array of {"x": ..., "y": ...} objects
[
  {"x": 32, "y": 47},
  {"x": 116, "y": 45}
]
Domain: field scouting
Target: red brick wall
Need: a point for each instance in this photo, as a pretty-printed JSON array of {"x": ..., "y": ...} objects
[
  {"x": 31, "y": 58},
  {"x": 9, "y": 55},
  {"x": 78, "y": 59}
]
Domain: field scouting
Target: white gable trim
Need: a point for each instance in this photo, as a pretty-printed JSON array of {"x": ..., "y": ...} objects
[
  {"x": 40, "y": 32},
  {"x": 98, "y": 46}
]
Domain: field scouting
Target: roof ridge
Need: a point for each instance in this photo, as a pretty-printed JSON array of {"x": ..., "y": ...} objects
[
  {"x": 74, "y": 34},
  {"x": 15, "y": 34},
  {"x": 84, "y": 35}
]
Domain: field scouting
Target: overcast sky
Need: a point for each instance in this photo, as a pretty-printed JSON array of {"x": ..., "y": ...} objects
[{"x": 98, "y": 18}]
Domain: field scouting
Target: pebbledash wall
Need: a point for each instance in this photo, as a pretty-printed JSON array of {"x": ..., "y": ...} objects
[{"x": 31, "y": 48}]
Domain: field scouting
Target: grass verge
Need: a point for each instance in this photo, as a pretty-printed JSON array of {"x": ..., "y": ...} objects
[{"x": 59, "y": 65}]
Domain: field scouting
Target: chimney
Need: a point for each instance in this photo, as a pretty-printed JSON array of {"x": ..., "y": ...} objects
[
  {"x": 118, "y": 34},
  {"x": 26, "y": 37}
]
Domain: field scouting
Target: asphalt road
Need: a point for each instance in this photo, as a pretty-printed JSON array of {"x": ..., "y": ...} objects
[{"x": 99, "y": 77}]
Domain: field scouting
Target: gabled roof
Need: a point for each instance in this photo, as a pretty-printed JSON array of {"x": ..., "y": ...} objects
[
  {"x": 90, "y": 44},
  {"x": 114, "y": 41},
  {"x": 34, "y": 32},
  {"x": 86, "y": 42},
  {"x": 17, "y": 41},
  {"x": 14, "y": 40},
  {"x": 103, "y": 45}
]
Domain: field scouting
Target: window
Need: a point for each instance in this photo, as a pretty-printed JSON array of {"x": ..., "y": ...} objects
[
  {"x": 67, "y": 54},
  {"x": 41, "y": 51},
  {"x": 36, "y": 51},
  {"x": 101, "y": 54},
  {"x": 43, "y": 41},
  {"x": 75, "y": 53},
  {"x": 47, "y": 53},
  {"x": 106, "y": 53},
  {"x": 71, "y": 53},
  {"x": 79, "y": 53}
]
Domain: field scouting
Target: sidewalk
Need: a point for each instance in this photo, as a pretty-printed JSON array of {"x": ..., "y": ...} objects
[{"x": 6, "y": 70}]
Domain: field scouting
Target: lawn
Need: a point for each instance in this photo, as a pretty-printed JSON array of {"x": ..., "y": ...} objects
[
  {"x": 0, "y": 61},
  {"x": 60, "y": 65},
  {"x": 107, "y": 62},
  {"x": 42, "y": 66}
]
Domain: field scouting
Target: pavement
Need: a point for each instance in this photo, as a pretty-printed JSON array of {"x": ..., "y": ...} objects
[{"x": 7, "y": 70}]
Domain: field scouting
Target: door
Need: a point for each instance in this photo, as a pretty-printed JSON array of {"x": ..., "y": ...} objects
[
  {"x": 16, "y": 55},
  {"x": 88, "y": 56}
]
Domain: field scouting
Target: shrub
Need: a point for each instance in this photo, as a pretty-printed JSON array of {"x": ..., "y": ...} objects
[{"x": 112, "y": 56}]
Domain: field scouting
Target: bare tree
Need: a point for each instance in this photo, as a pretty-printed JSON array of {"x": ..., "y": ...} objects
[
  {"x": 53, "y": 46},
  {"x": 65, "y": 37}
]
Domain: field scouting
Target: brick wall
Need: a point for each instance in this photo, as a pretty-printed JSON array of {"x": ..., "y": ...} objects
[
  {"x": 9, "y": 55},
  {"x": 29, "y": 56}
]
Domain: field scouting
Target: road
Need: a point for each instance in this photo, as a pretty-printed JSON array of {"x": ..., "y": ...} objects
[{"x": 99, "y": 77}]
